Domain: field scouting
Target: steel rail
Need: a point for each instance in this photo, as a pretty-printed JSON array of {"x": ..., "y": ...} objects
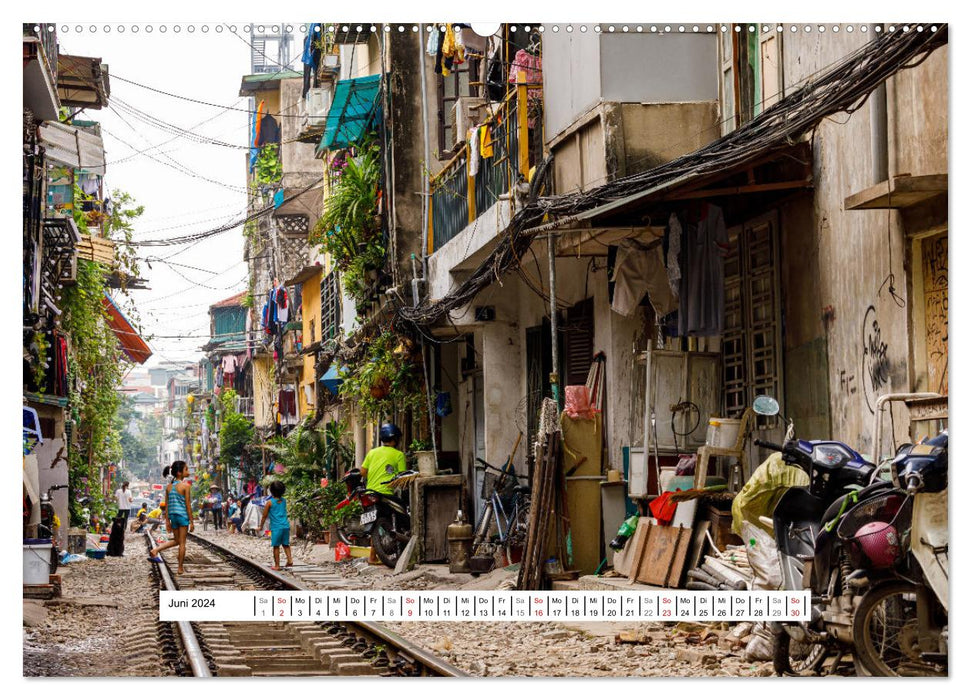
[
  {"x": 193, "y": 650},
  {"x": 409, "y": 649}
]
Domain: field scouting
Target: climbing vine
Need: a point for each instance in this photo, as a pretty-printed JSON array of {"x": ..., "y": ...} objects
[{"x": 95, "y": 370}]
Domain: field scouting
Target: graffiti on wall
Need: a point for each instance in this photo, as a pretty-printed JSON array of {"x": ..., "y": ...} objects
[
  {"x": 875, "y": 371},
  {"x": 934, "y": 257}
]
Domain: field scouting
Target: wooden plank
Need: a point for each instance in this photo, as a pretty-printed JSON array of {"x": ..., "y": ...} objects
[
  {"x": 637, "y": 544},
  {"x": 699, "y": 540},
  {"x": 662, "y": 563},
  {"x": 898, "y": 193}
]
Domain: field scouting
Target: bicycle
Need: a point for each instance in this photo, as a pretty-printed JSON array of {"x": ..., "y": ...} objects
[{"x": 506, "y": 508}]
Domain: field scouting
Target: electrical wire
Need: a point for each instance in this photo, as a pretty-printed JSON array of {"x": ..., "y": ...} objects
[{"x": 844, "y": 88}]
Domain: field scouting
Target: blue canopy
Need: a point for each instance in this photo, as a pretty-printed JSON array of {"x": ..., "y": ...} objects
[
  {"x": 332, "y": 379},
  {"x": 351, "y": 112}
]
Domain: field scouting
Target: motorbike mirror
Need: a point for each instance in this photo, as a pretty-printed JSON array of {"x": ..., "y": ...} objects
[{"x": 765, "y": 405}]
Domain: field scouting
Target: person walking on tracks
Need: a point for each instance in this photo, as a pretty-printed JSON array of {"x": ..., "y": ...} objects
[
  {"x": 276, "y": 511},
  {"x": 178, "y": 515},
  {"x": 123, "y": 499}
]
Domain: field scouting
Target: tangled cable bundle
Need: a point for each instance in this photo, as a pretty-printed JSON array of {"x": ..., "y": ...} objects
[{"x": 844, "y": 88}]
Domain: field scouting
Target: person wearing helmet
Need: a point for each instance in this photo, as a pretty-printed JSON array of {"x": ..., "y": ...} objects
[{"x": 383, "y": 463}]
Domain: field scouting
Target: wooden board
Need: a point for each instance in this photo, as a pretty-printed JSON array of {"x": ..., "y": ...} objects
[
  {"x": 699, "y": 542},
  {"x": 101, "y": 250},
  {"x": 635, "y": 547},
  {"x": 663, "y": 558}
]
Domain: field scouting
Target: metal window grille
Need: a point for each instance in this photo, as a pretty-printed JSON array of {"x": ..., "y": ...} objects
[{"x": 330, "y": 307}]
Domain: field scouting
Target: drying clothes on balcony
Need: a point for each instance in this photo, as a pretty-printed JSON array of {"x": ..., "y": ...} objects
[
  {"x": 434, "y": 42},
  {"x": 485, "y": 141},
  {"x": 704, "y": 245},
  {"x": 474, "y": 150},
  {"x": 90, "y": 184},
  {"x": 311, "y": 54},
  {"x": 453, "y": 51},
  {"x": 532, "y": 65}
]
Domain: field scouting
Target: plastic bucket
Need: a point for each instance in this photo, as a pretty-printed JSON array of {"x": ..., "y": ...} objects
[
  {"x": 723, "y": 432},
  {"x": 37, "y": 563}
]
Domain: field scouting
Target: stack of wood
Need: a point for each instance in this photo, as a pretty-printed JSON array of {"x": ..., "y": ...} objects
[{"x": 544, "y": 504}]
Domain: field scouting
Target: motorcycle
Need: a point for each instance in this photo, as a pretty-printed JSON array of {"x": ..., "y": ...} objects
[
  {"x": 385, "y": 518},
  {"x": 811, "y": 556},
  {"x": 900, "y": 627}
]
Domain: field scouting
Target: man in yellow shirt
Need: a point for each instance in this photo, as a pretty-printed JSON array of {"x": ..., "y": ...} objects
[{"x": 383, "y": 463}]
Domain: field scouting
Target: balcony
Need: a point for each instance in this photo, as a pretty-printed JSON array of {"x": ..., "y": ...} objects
[
  {"x": 458, "y": 199},
  {"x": 40, "y": 71}
]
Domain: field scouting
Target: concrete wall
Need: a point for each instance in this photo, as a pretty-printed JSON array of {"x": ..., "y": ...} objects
[
  {"x": 842, "y": 259},
  {"x": 583, "y": 69},
  {"x": 48, "y": 475},
  {"x": 310, "y": 296}
]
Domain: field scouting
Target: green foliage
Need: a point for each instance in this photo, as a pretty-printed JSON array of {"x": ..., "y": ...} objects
[
  {"x": 304, "y": 454},
  {"x": 95, "y": 370},
  {"x": 350, "y": 229},
  {"x": 338, "y": 451},
  {"x": 236, "y": 433},
  {"x": 386, "y": 381},
  {"x": 269, "y": 169},
  {"x": 119, "y": 226}
]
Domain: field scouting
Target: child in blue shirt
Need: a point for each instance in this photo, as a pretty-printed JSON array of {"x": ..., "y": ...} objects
[{"x": 276, "y": 511}]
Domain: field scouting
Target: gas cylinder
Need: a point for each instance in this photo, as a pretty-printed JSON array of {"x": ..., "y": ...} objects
[{"x": 459, "y": 535}]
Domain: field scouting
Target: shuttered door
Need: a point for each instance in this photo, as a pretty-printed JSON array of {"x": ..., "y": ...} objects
[
  {"x": 577, "y": 338},
  {"x": 752, "y": 341}
]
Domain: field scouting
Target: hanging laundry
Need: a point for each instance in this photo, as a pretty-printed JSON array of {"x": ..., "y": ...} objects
[
  {"x": 532, "y": 66},
  {"x": 282, "y": 305},
  {"x": 311, "y": 54},
  {"x": 704, "y": 246},
  {"x": 453, "y": 52},
  {"x": 258, "y": 122},
  {"x": 269, "y": 131},
  {"x": 485, "y": 141},
  {"x": 474, "y": 150},
  {"x": 639, "y": 271},
  {"x": 673, "y": 258},
  {"x": 90, "y": 184},
  {"x": 288, "y": 403},
  {"x": 434, "y": 41},
  {"x": 439, "y": 56}
]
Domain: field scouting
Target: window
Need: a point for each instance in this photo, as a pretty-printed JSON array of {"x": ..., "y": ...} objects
[
  {"x": 330, "y": 308},
  {"x": 752, "y": 342},
  {"x": 458, "y": 83},
  {"x": 751, "y": 72}
]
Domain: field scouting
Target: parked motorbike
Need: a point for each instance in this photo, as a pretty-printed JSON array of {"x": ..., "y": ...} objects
[
  {"x": 385, "y": 518},
  {"x": 900, "y": 626},
  {"x": 810, "y": 555}
]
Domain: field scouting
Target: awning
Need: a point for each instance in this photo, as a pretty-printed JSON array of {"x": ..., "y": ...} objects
[
  {"x": 73, "y": 147},
  {"x": 351, "y": 111},
  {"x": 132, "y": 345}
]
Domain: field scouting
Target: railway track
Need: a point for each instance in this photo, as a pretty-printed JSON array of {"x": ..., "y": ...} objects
[{"x": 286, "y": 649}]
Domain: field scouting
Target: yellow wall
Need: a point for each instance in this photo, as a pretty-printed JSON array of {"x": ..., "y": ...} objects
[{"x": 311, "y": 319}]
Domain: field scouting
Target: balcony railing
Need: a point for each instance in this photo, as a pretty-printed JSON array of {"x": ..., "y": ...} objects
[{"x": 452, "y": 207}]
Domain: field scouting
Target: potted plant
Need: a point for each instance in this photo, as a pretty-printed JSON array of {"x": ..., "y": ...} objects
[{"x": 424, "y": 455}]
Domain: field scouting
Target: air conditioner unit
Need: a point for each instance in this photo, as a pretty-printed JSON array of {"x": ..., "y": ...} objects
[
  {"x": 316, "y": 106},
  {"x": 466, "y": 113}
]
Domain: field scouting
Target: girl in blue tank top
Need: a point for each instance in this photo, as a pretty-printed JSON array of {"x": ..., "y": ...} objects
[{"x": 178, "y": 514}]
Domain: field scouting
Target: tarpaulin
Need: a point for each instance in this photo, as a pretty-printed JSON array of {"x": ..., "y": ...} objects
[{"x": 352, "y": 110}]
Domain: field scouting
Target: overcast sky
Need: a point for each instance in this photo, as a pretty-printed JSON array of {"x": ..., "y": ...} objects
[{"x": 203, "y": 66}]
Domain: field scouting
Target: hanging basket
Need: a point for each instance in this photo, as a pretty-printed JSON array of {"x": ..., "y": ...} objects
[{"x": 381, "y": 388}]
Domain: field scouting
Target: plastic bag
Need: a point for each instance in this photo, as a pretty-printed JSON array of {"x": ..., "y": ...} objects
[
  {"x": 72, "y": 558},
  {"x": 763, "y": 557},
  {"x": 763, "y": 490},
  {"x": 759, "y": 647},
  {"x": 578, "y": 402},
  {"x": 342, "y": 552}
]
